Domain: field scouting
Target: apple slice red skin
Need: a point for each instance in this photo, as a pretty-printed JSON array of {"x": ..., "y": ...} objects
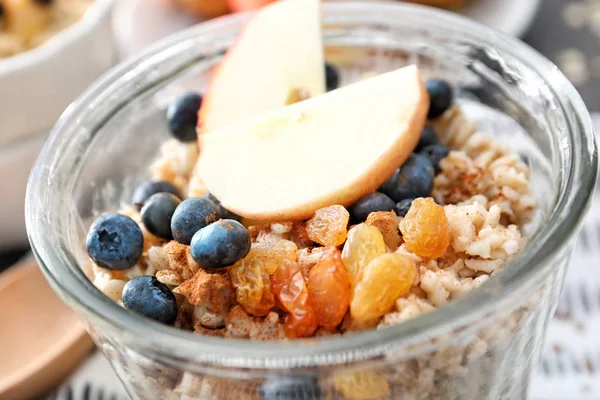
[{"x": 368, "y": 181}]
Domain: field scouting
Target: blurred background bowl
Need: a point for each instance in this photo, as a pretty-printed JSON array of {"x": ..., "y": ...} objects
[
  {"x": 140, "y": 23},
  {"x": 54, "y": 73},
  {"x": 15, "y": 162},
  {"x": 37, "y": 86}
]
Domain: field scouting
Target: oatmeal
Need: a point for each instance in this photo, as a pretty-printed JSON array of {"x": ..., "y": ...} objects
[
  {"x": 447, "y": 219},
  {"x": 445, "y": 222},
  {"x": 25, "y": 24},
  {"x": 438, "y": 228}
]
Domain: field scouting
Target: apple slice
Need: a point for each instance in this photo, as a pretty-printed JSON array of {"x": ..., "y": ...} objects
[
  {"x": 279, "y": 53},
  {"x": 246, "y": 5},
  {"x": 331, "y": 149},
  {"x": 204, "y": 8}
]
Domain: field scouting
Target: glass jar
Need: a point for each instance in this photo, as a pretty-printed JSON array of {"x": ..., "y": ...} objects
[{"x": 481, "y": 346}]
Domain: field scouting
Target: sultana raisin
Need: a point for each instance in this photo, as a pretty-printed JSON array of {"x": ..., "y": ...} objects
[
  {"x": 288, "y": 285},
  {"x": 296, "y": 95},
  {"x": 361, "y": 385},
  {"x": 386, "y": 278},
  {"x": 364, "y": 243},
  {"x": 329, "y": 226},
  {"x": 425, "y": 228},
  {"x": 253, "y": 286},
  {"x": 272, "y": 254},
  {"x": 329, "y": 289},
  {"x": 387, "y": 223},
  {"x": 299, "y": 235}
]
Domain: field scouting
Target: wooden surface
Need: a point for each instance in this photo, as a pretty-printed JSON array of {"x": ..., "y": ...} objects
[{"x": 41, "y": 339}]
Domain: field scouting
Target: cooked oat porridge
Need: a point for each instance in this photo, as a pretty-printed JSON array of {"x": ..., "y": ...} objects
[
  {"x": 439, "y": 247},
  {"x": 446, "y": 214},
  {"x": 25, "y": 24}
]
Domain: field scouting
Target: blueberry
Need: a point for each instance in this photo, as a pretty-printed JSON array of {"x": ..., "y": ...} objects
[
  {"x": 220, "y": 244},
  {"x": 291, "y": 388},
  {"x": 435, "y": 153},
  {"x": 157, "y": 213},
  {"x": 413, "y": 179},
  {"x": 115, "y": 241},
  {"x": 147, "y": 296},
  {"x": 402, "y": 207},
  {"x": 182, "y": 116},
  {"x": 148, "y": 188},
  {"x": 370, "y": 203},
  {"x": 428, "y": 137},
  {"x": 332, "y": 77},
  {"x": 191, "y": 216},
  {"x": 440, "y": 97},
  {"x": 225, "y": 213}
]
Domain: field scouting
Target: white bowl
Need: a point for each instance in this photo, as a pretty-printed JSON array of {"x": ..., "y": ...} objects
[
  {"x": 16, "y": 161},
  {"x": 35, "y": 88},
  {"x": 509, "y": 16},
  {"x": 37, "y": 85}
]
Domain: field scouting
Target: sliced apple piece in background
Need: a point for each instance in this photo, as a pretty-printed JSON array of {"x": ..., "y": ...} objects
[
  {"x": 331, "y": 149},
  {"x": 279, "y": 52},
  {"x": 204, "y": 8},
  {"x": 247, "y": 5}
]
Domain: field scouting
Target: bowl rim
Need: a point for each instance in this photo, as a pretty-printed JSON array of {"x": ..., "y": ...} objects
[
  {"x": 65, "y": 38},
  {"x": 531, "y": 266}
]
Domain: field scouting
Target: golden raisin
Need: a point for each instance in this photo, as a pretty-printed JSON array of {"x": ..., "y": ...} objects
[
  {"x": 299, "y": 235},
  {"x": 329, "y": 289},
  {"x": 386, "y": 278},
  {"x": 296, "y": 95},
  {"x": 272, "y": 254},
  {"x": 425, "y": 228},
  {"x": 364, "y": 243},
  {"x": 387, "y": 223},
  {"x": 361, "y": 385},
  {"x": 329, "y": 226},
  {"x": 253, "y": 286},
  {"x": 291, "y": 291}
]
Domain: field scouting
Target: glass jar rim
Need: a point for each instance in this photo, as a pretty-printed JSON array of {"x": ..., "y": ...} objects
[{"x": 532, "y": 264}]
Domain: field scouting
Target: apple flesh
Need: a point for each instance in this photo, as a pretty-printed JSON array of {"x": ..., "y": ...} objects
[
  {"x": 331, "y": 149},
  {"x": 279, "y": 54}
]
